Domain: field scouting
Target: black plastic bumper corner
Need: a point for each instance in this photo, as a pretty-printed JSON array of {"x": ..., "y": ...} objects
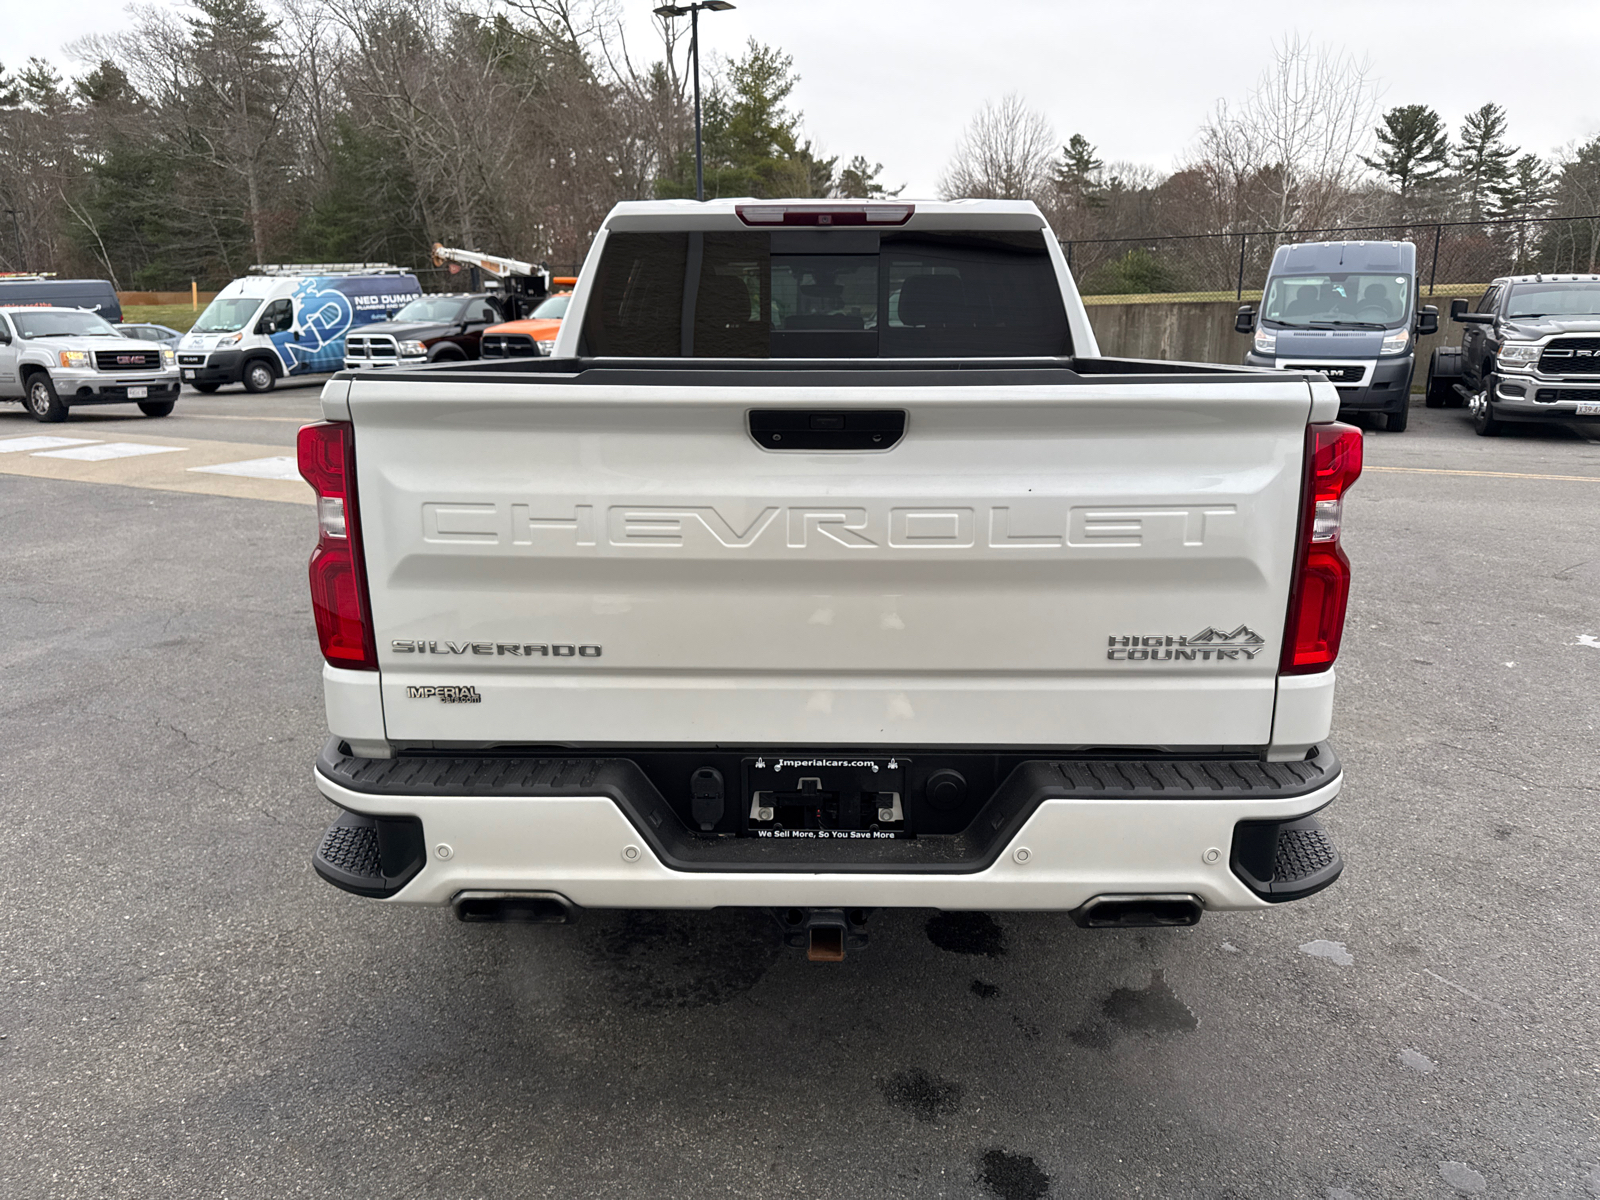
[
  {"x": 370, "y": 856},
  {"x": 1285, "y": 860}
]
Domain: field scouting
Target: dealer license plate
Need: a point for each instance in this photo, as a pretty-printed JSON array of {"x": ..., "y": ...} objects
[
  {"x": 1589, "y": 410},
  {"x": 188, "y": 374},
  {"x": 138, "y": 393},
  {"x": 823, "y": 798}
]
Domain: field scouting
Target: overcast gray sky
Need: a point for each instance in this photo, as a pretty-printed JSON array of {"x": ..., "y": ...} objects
[{"x": 898, "y": 81}]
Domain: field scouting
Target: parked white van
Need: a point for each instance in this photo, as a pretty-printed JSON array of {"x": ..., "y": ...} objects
[{"x": 287, "y": 320}]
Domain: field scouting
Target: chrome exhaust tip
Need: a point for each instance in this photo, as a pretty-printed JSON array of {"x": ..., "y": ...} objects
[
  {"x": 530, "y": 908},
  {"x": 1139, "y": 911}
]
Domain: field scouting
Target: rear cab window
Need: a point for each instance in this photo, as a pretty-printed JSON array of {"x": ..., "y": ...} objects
[{"x": 834, "y": 294}]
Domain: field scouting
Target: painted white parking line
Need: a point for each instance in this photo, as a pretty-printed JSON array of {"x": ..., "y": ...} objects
[
  {"x": 15, "y": 445},
  {"x": 281, "y": 466},
  {"x": 107, "y": 450}
]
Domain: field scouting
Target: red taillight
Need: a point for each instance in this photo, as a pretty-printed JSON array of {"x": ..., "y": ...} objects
[
  {"x": 813, "y": 214},
  {"x": 1321, "y": 583},
  {"x": 338, "y": 578}
]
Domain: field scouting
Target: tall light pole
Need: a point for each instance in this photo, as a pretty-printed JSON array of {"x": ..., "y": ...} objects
[{"x": 693, "y": 10}]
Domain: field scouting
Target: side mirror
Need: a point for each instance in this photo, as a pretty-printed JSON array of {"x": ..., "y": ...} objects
[
  {"x": 1458, "y": 309},
  {"x": 1244, "y": 321},
  {"x": 1427, "y": 320}
]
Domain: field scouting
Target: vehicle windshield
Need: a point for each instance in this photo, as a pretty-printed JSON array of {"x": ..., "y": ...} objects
[
  {"x": 227, "y": 316},
  {"x": 439, "y": 309},
  {"x": 1576, "y": 298},
  {"x": 1337, "y": 298},
  {"x": 554, "y": 308},
  {"x": 48, "y": 322}
]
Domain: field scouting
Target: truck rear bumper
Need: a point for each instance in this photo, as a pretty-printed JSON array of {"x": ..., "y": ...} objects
[{"x": 601, "y": 841}]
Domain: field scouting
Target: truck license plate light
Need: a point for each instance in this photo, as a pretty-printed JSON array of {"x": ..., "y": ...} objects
[
  {"x": 1320, "y": 586},
  {"x": 338, "y": 577}
]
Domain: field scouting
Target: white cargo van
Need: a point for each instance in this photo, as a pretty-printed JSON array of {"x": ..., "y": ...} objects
[{"x": 286, "y": 320}]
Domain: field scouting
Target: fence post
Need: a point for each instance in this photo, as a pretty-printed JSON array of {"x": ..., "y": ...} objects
[
  {"x": 1433, "y": 274},
  {"x": 1240, "y": 294}
]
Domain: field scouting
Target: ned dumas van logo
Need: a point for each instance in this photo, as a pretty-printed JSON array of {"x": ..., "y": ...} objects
[{"x": 1209, "y": 645}]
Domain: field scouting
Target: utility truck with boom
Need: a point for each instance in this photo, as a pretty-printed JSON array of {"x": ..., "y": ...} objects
[{"x": 826, "y": 565}]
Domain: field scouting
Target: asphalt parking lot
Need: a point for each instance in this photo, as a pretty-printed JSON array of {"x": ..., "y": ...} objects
[{"x": 187, "y": 1011}]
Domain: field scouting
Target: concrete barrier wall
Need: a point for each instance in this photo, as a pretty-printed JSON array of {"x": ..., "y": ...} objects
[{"x": 1202, "y": 331}]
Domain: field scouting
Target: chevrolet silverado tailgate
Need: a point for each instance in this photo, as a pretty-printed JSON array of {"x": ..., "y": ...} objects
[{"x": 612, "y": 558}]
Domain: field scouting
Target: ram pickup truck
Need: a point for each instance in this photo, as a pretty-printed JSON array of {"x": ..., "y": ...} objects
[
  {"x": 1529, "y": 352},
  {"x": 825, "y": 566}
]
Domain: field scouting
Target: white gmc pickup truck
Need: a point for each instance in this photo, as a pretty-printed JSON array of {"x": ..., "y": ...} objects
[{"x": 825, "y": 566}]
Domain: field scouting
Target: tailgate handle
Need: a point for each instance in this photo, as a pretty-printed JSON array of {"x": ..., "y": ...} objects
[{"x": 827, "y": 429}]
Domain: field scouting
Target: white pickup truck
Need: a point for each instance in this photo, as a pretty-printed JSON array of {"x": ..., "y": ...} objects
[{"x": 825, "y": 566}]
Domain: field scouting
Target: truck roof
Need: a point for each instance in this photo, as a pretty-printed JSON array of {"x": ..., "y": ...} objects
[
  {"x": 1545, "y": 277},
  {"x": 1344, "y": 256},
  {"x": 725, "y": 214}
]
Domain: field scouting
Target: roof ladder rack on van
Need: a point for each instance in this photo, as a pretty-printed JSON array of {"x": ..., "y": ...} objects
[{"x": 356, "y": 268}]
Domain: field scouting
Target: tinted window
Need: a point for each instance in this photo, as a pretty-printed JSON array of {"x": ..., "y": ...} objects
[
  {"x": 827, "y": 295},
  {"x": 1487, "y": 303},
  {"x": 637, "y": 310},
  {"x": 277, "y": 318},
  {"x": 958, "y": 296},
  {"x": 483, "y": 310}
]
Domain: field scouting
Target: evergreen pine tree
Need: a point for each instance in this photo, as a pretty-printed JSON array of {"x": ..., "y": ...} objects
[
  {"x": 1482, "y": 158},
  {"x": 1414, "y": 149},
  {"x": 1077, "y": 174}
]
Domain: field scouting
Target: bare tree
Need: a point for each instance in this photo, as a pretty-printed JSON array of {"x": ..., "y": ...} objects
[
  {"x": 1291, "y": 154},
  {"x": 1006, "y": 153}
]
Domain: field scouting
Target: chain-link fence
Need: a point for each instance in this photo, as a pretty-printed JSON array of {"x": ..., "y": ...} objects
[{"x": 1458, "y": 257}]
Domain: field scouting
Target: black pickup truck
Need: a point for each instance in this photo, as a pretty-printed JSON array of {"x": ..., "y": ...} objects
[
  {"x": 429, "y": 329},
  {"x": 1530, "y": 351}
]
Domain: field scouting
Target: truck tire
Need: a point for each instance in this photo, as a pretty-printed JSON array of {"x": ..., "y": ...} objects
[
  {"x": 1444, "y": 372},
  {"x": 156, "y": 408},
  {"x": 1484, "y": 423},
  {"x": 43, "y": 404},
  {"x": 259, "y": 376},
  {"x": 205, "y": 388},
  {"x": 1396, "y": 422}
]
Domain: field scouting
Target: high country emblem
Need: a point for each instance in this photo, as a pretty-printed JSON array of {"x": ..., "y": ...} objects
[{"x": 1242, "y": 645}]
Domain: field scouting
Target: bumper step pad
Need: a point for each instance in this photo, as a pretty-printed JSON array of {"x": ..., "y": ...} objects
[
  {"x": 1285, "y": 860},
  {"x": 370, "y": 856}
]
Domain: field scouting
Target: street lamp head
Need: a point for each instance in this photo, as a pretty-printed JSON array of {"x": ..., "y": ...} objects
[
  {"x": 718, "y": 5},
  {"x": 671, "y": 10}
]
